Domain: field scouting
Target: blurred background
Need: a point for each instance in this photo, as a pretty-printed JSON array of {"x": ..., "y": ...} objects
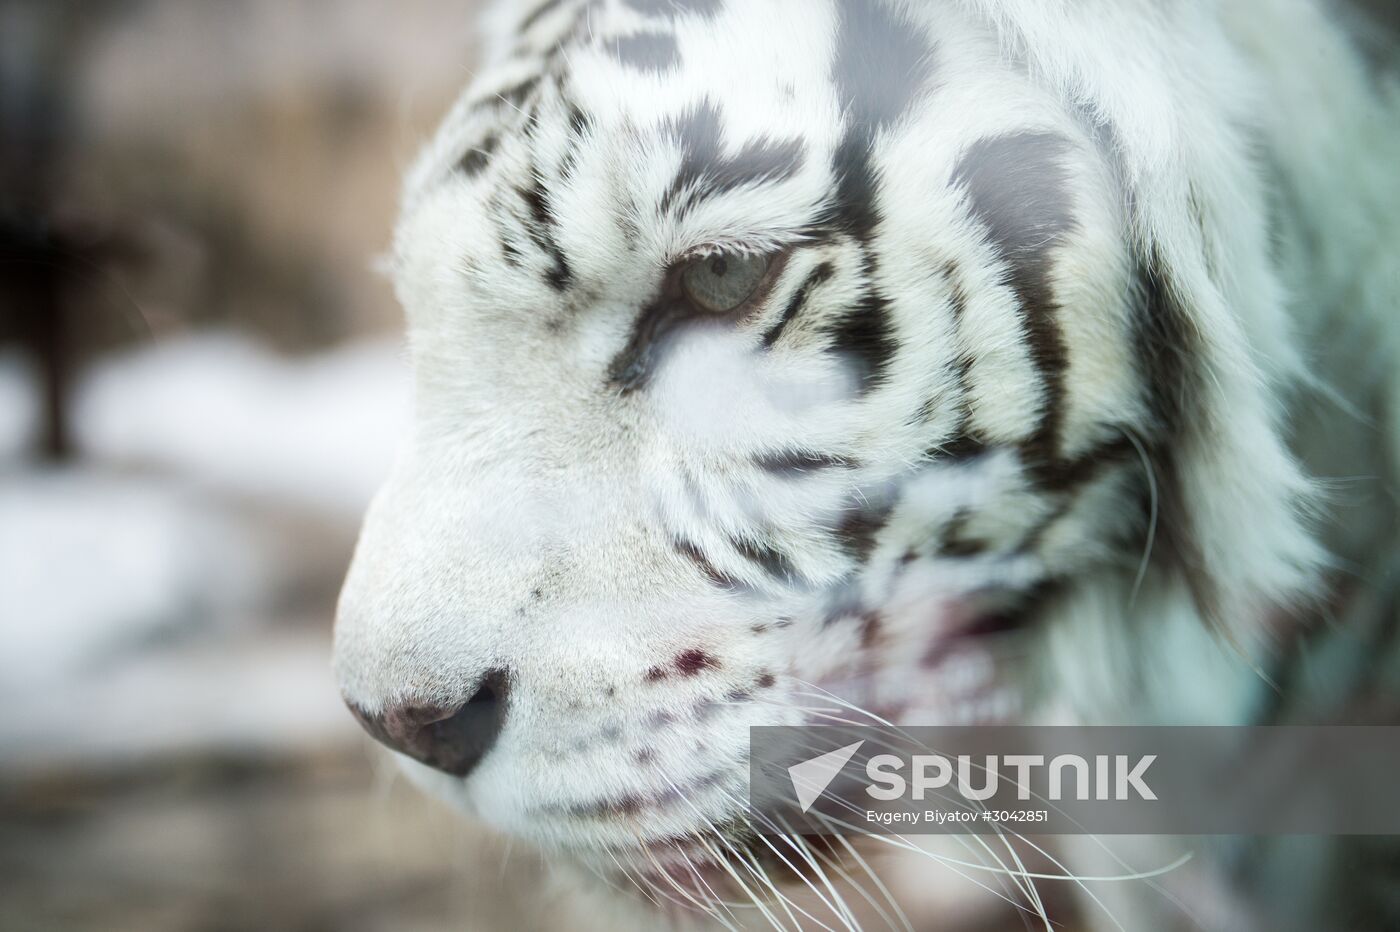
[{"x": 201, "y": 383}]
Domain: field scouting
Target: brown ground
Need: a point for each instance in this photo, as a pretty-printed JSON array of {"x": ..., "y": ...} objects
[{"x": 236, "y": 843}]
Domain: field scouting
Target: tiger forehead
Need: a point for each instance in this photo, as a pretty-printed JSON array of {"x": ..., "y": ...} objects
[
  {"x": 777, "y": 74},
  {"x": 577, "y": 176}
]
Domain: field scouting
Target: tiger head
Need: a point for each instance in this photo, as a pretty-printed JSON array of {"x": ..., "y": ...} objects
[{"x": 767, "y": 350}]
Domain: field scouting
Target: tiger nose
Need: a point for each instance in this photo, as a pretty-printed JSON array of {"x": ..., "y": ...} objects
[{"x": 450, "y": 738}]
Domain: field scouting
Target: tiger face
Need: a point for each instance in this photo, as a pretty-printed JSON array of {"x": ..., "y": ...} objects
[{"x": 767, "y": 350}]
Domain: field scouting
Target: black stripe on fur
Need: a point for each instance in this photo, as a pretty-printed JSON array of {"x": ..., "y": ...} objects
[
  {"x": 1017, "y": 188},
  {"x": 655, "y": 52},
  {"x": 706, "y": 171}
]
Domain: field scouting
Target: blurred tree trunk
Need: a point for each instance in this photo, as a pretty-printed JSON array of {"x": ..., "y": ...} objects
[{"x": 40, "y": 45}]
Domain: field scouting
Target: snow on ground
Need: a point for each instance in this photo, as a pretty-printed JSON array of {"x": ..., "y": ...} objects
[
  {"x": 221, "y": 410},
  {"x": 95, "y": 565},
  {"x": 19, "y": 407},
  {"x": 143, "y": 589},
  {"x": 141, "y": 616},
  {"x": 274, "y": 693}
]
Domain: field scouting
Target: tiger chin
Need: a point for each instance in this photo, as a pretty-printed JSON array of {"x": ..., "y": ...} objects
[{"x": 980, "y": 361}]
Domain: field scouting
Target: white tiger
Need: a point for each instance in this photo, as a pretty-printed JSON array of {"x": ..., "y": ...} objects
[{"x": 968, "y": 360}]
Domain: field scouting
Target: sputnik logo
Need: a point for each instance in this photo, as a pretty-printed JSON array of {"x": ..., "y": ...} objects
[{"x": 811, "y": 777}]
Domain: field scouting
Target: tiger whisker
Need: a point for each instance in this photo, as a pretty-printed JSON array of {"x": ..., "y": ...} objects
[
  {"x": 782, "y": 834},
  {"x": 757, "y": 901},
  {"x": 801, "y": 846},
  {"x": 865, "y": 894},
  {"x": 875, "y": 879}
]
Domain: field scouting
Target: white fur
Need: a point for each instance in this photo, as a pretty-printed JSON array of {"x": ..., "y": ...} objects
[{"x": 531, "y": 524}]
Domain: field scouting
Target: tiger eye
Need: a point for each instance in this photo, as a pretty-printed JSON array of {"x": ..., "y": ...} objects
[{"x": 722, "y": 283}]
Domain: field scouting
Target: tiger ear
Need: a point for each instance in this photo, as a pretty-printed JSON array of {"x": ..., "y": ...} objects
[{"x": 1233, "y": 502}]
